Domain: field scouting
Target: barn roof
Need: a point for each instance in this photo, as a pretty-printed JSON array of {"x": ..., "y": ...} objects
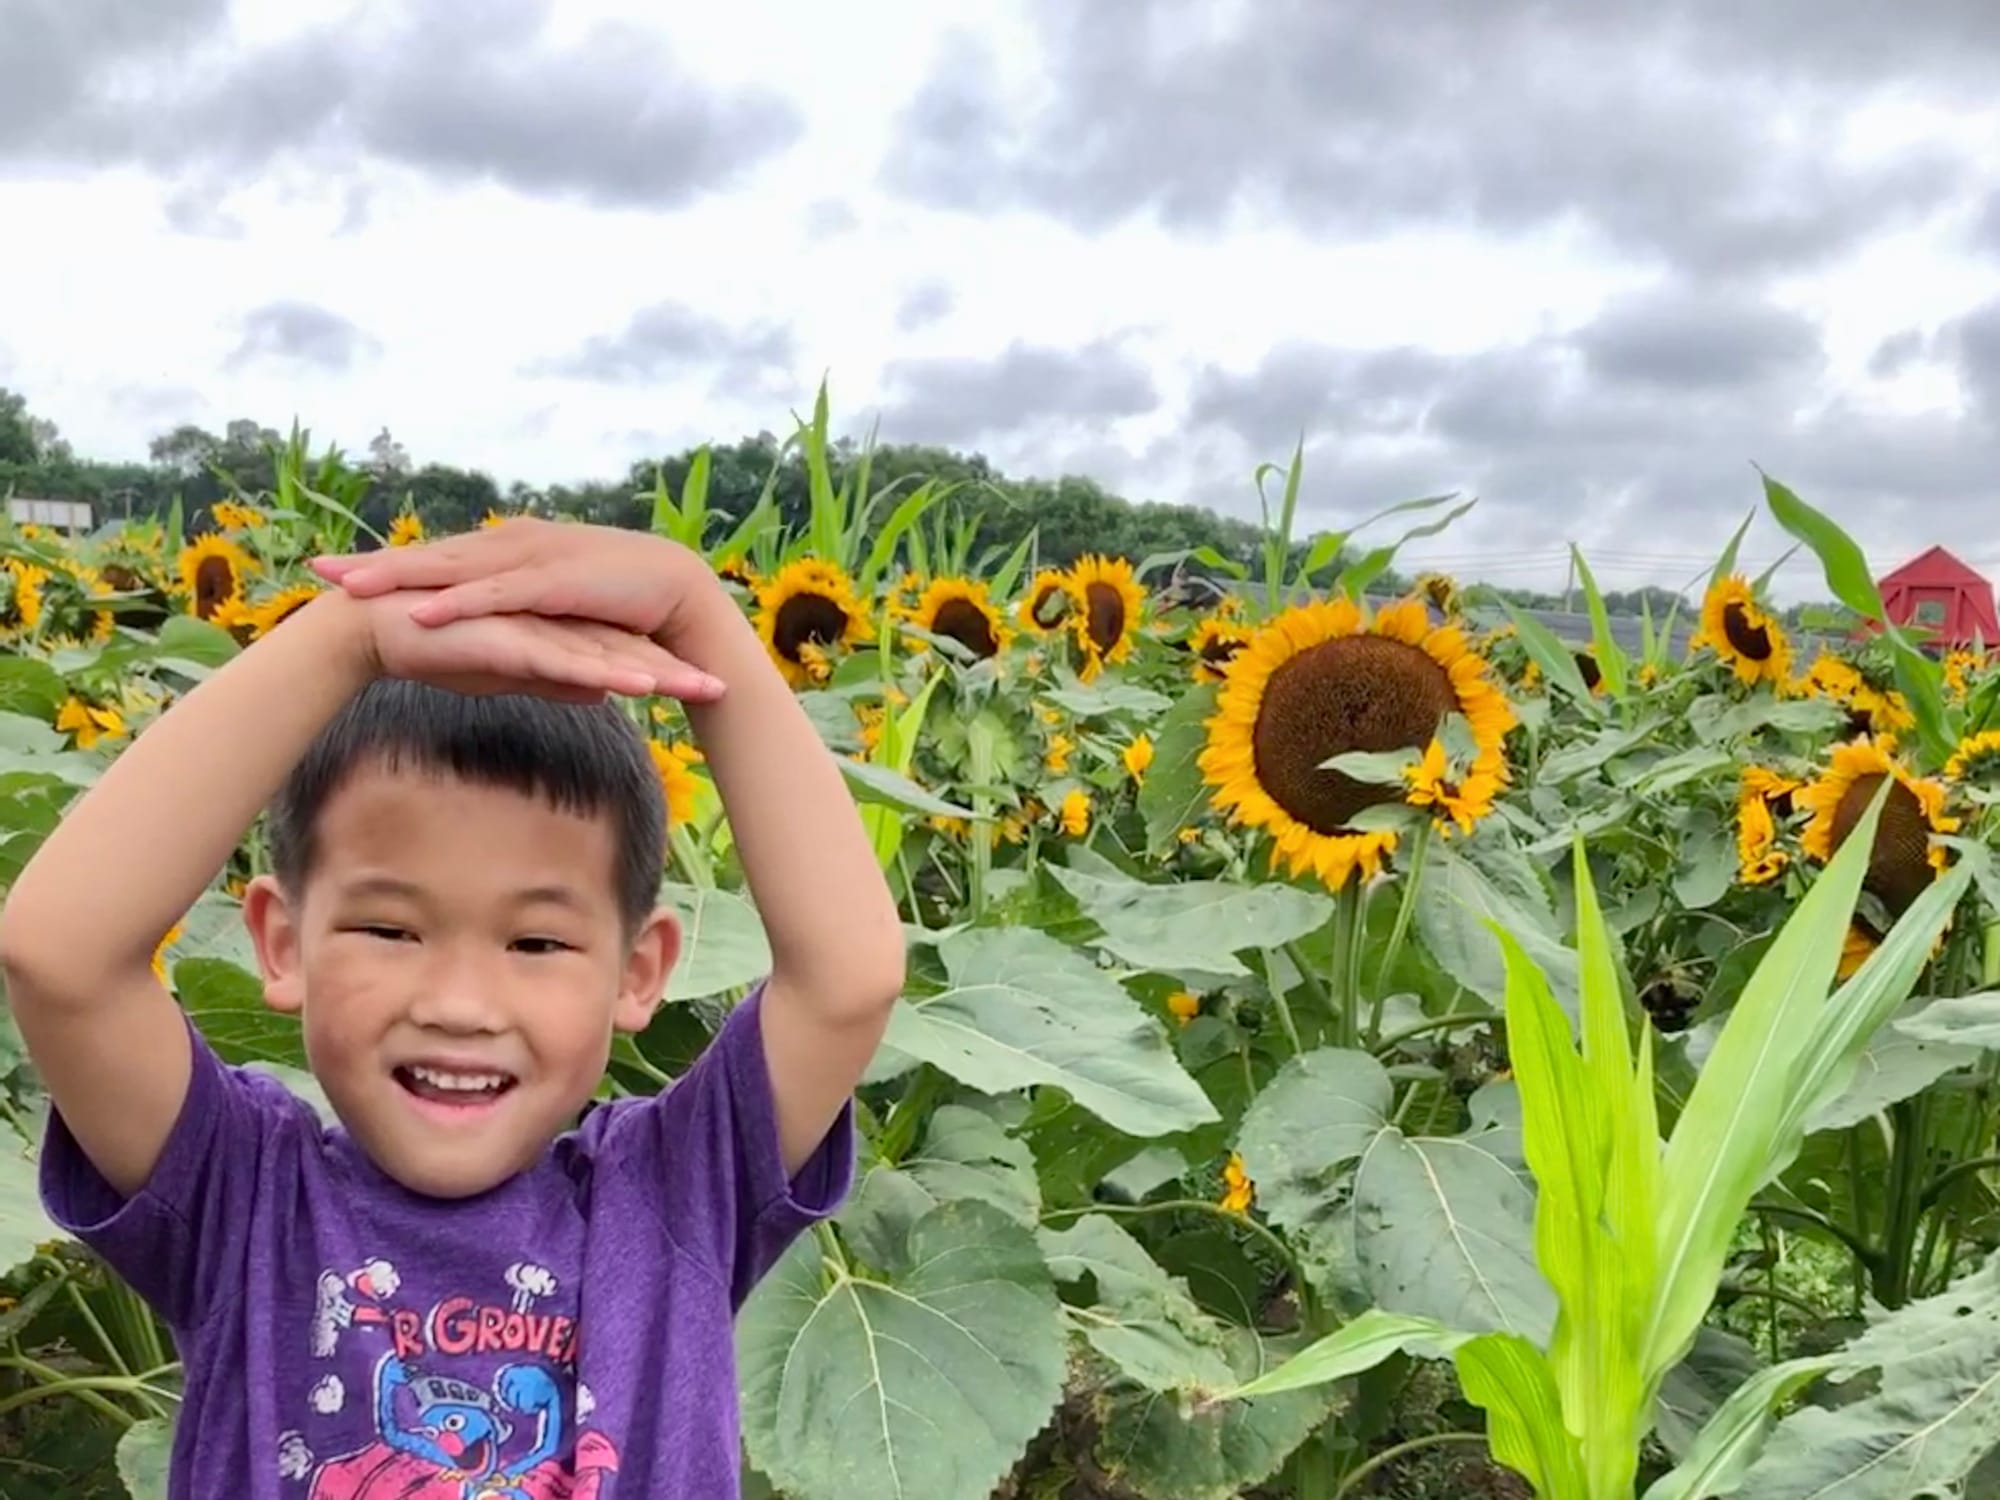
[{"x": 1933, "y": 565}]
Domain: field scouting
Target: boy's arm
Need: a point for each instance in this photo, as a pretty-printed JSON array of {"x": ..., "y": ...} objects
[
  {"x": 836, "y": 937},
  {"x": 126, "y": 862}
]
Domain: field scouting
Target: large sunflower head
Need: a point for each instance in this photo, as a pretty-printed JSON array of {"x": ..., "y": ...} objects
[
  {"x": 1872, "y": 708},
  {"x": 1747, "y": 637},
  {"x": 1904, "y": 860},
  {"x": 1047, "y": 603},
  {"x": 1319, "y": 681},
  {"x": 1215, "y": 643},
  {"x": 212, "y": 570},
  {"x": 1106, "y": 621},
  {"x": 961, "y": 609},
  {"x": 807, "y": 611}
]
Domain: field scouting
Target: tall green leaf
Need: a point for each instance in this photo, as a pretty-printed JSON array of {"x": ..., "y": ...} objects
[
  {"x": 1507, "y": 1376},
  {"x": 1610, "y": 655}
]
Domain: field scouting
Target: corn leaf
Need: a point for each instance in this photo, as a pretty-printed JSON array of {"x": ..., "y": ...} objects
[
  {"x": 1507, "y": 1376},
  {"x": 1360, "y": 1345},
  {"x": 1550, "y": 654},
  {"x": 1610, "y": 655},
  {"x": 1725, "y": 1138},
  {"x": 1726, "y": 563},
  {"x": 1732, "y": 1439}
]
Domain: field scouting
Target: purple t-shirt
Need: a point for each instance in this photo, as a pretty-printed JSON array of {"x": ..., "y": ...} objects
[{"x": 566, "y": 1335}]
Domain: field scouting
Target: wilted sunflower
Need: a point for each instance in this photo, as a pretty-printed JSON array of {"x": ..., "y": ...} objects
[
  {"x": 1976, "y": 760},
  {"x": 125, "y": 578},
  {"x": 22, "y": 609},
  {"x": 1319, "y": 681},
  {"x": 1759, "y": 860},
  {"x": 212, "y": 570},
  {"x": 677, "y": 780},
  {"x": 406, "y": 530},
  {"x": 1441, "y": 589},
  {"x": 961, "y": 609},
  {"x": 1215, "y": 643},
  {"x": 1904, "y": 861},
  {"x": 280, "y": 607},
  {"x": 1748, "y": 638},
  {"x": 1106, "y": 622},
  {"x": 1047, "y": 603},
  {"x": 805, "y": 613}
]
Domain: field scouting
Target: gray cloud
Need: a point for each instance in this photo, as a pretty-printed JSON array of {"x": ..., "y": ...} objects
[
  {"x": 300, "y": 333},
  {"x": 959, "y": 400},
  {"x": 462, "y": 91},
  {"x": 1897, "y": 353},
  {"x": 1689, "y": 132},
  {"x": 1638, "y": 430},
  {"x": 671, "y": 339},
  {"x": 924, "y": 304}
]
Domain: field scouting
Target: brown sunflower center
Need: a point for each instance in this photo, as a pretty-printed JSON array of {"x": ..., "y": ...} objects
[
  {"x": 1749, "y": 640},
  {"x": 1105, "y": 608},
  {"x": 807, "y": 620},
  {"x": 214, "y": 585},
  {"x": 1899, "y": 868},
  {"x": 1221, "y": 649},
  {"x": 1361, "y": 692},
  {"x": 288, "y": 611},
  {"x": 966, "y": 623},
  {"x": 1592, "y": 673},
  {"x": 1050, "y": 605}
]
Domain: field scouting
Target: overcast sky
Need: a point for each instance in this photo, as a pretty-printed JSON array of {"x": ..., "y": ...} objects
[{"x": 1589, "y": 262}]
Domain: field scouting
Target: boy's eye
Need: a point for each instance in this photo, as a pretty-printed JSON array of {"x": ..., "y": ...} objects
[
  {"x": 384, "y": 931},
  {"x": 540, "y": 945}
]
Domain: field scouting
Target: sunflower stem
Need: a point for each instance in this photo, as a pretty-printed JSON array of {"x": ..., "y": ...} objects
[
  {"x": 1346, "y": 969},
  {"x": 1420, "y": 844}
]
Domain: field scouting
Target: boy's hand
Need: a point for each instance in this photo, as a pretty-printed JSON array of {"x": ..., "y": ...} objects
[
  {"x": 525, "y": 566},
  {"x": 576, "y": 660}
]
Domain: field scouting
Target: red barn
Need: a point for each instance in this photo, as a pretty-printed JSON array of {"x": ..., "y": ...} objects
[{"x": 1939, "y": 595}]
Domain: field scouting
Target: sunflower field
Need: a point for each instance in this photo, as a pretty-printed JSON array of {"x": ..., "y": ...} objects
[{"x": 1355, "y": 1046}]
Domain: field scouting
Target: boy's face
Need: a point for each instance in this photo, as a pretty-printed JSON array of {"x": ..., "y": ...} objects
[{"x": 460, "y": 965}]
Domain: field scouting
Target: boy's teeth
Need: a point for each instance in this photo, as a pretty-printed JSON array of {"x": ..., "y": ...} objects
[{"x": 470, "y": 1083}]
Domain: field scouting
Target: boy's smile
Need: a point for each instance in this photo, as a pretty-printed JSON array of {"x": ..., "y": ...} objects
[{"x": 460, "y": 965}]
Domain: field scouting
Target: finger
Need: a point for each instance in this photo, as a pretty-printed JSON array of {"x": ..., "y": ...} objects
[
  {"x": 434, "y": 565},
  {"x": 674, "y": 677},
  {"x": 519, "y": 591}
]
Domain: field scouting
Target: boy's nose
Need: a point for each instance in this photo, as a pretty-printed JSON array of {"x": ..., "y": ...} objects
[{"x": 457, "y": 995}]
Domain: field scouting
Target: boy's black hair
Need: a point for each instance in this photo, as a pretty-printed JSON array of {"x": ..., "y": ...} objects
[{"x": 586, "y": 759}]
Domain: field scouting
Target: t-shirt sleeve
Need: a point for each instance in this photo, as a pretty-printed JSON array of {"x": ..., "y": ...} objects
[
  {"x": 186, "y": 1234},
  {"x": 706, "y": 1153}
]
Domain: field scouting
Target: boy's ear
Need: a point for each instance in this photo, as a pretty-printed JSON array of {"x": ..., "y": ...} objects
[
  {"x": 647, "y": 965},
  {"x": 274, "y": 930}
]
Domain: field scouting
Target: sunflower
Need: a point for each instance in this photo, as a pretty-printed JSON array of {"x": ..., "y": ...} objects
[
  {"x": 406, "y": 530},
  {"x": 212, "y": 570},
  {"x": 1759, "y": 860},
  {"x": 1047, "y": 603},
  {"x": 1749, "y": 639},
  {"x": 492, "y": 518},
  {"x": 89, "y": 722},
  {"x": 1977, "y": 759},
  {"x": 1462, "y": 800},
  {"x": 1959, "y": 667},
  {"x": 1215, "y": 643},
  {"x": 173, "y": 935},
  {"x": 960, "y": 609},
  {"x": 1239, "y": 1192},
  {"x": 1871, "y": 710},
  {"x": 1076, "y": 813},
  {"x": 1137, "y": 756},
  {"x": 1855, "y": 948},
  {"x": 1056, "y": 756},
  {"x": 1904, "y": 860},
  {"x": 1441, "y": 590},
  {"x": 736, "y": 569},
  {"x": 238, "y": 618},
  {"x": 79, "y": 589},
  {"x": 1319, "y": 681},
  {"x": 22, "y": 611},
  {"x": 1586, "y": 668},
  {"x": 804, "y": 613},
  {"x": 125, "y": 578},
  {"x": 1183, "y": 1006},
  {"x": 1775, "y": 788},
  {"x": 1106, "y": 622},
  {"x": 231, "y": 516},
  {"x": 677, "y": 780},
  {"x": 280, "y": 607}
]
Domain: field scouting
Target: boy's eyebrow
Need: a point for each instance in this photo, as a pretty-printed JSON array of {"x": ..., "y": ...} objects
[{"x": 391, "y": 885}]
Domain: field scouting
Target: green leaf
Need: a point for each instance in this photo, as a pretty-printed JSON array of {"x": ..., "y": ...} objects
[
  {"x": 1726, "y": 563},
  {"x": 1142, "y": 1320},
  {"x": 1892, "y": 1066},
  {"x": 1737, "y": 1116},
  {"x": 1174, "y": 793},
  {"x": 1465, "y": 892},
  {"x": 1299, "y": 1136},
  {"x": 1445, "y": 1229},
  {"x": 144, "y": 1452},
  {"x": 30, "y": 687},
  {"x": 1963, "y": 1020},
  {"x": 1696, "y": 1388},
  {"x": 1108, "y": 695},
  {"x": 1722, "y": 1453},
  {"x": 1024, "y": 1010},
  {"x": 1847, "y": 572},
  {"x": 1556, "y": 660},
  {"x": 1708, "y": 866},
  {"x": 889, "y": 788},
  {"x": 1712, "y": 718},
  {"x": 227, "y": 1004},
  {"x": 30, "y": 735},
  {"x": 1604, "y": 645},
  {"x": 186, "y": 638},
  {"x": 966, "y": 1154},
  {"x": 723, "y": 946},
  {"x": 1358, "y": 1345},
  {"x": 916, "y": 1384},
  {"x": 1935, "y": 1415},
  {"x": 1507, "y": 1376},
  {"x": 23, "y": 1223},
  {"x": 1197, "y": 925},
  {"x": 1375, "y": 767}
]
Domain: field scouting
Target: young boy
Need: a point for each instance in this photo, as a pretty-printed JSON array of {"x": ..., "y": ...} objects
[{"x": 453, "y": 1294}]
